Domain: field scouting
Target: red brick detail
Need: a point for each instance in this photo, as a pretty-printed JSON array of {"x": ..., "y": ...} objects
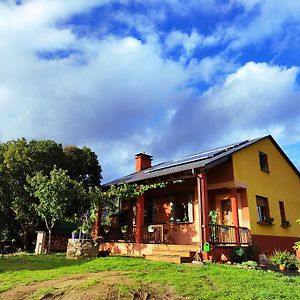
[
  {"x": 140, "y": 205},
  {"x": 267, "y": 244},
  {"x": 142, "y": 161}
]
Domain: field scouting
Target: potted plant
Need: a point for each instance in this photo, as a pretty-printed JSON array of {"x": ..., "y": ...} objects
[
  {"x": 124, "y": 228},
  {"x": 151, "y": 228},
  {"x": 296, "y": 247},
  {"x": 282, "y": 259},
  {"x": 224, "y": 228},
  {"x": 75, "y": 234}
]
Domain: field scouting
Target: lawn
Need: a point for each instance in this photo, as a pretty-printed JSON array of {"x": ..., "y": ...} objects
[{"x": 33, "y": 277}]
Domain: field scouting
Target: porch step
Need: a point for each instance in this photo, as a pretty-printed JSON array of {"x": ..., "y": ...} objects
[
  {"x": 181, "y": 253},
  {"x": 172, "y": 253},
  {"x": 170, "y": 247},
  {"x": 169, "y": 258}
]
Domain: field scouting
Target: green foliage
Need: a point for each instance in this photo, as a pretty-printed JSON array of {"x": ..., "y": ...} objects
[
  {"x": 284, "y": 258},
  {"x": 297, "y": 246},
  {"x": 53, "y": 193},
  {"x": 250, "y": 264},
  {"x": 20, "y": 159},
  {"x": 242, "y": 254},
  {"x": 82, "y": 165}
]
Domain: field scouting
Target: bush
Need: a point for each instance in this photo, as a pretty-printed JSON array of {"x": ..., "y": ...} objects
[
  {"x": 284, "y": 258},
  {"x": 241, "y": 254},
  {"x": 250, "y": 264}
]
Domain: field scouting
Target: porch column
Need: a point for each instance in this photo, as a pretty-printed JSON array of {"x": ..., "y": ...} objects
[
  {"x": 235, "y": 214},
  {"x": 140, "y": 205},
  {"x": 205, "y": 210}
]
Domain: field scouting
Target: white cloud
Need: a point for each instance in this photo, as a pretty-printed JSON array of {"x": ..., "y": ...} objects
[
  {"x": 255, "y": 100},
  {"x": 190, "y": 41}
]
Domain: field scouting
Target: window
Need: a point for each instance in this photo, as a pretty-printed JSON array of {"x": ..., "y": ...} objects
[
  {"x": 182, "y": 209},
  {"x": 263, "y": 162},
  {"x": 263, "y": 210},
  {"x": 284, "y": 222}
]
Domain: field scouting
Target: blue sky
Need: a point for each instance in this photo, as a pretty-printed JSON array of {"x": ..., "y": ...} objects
[{"x": 167, "y": 77}]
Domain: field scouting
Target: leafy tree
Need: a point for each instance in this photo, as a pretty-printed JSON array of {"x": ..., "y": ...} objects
[
  {"x": 19, "y": 159},
  {"x": 82, "y": 165},
  {"x": 53, "y": 193}
]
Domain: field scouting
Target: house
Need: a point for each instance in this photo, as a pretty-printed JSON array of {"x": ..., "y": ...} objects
[{"x": 241, "y": 194}]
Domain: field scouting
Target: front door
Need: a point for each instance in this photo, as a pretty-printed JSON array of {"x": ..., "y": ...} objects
[{"x": 226, "y": 212}]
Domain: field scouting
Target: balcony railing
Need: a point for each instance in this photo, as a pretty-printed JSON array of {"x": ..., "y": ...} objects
[{"x": 227, "y": 235}]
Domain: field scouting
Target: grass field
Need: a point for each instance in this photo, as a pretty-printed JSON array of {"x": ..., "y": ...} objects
[{"x": 33, "y": 277}]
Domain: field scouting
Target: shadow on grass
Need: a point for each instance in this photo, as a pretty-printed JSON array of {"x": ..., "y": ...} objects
[{"x": 31, "y": 262}]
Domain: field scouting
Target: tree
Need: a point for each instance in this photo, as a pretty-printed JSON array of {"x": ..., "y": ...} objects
[
  {"x": 19, "y": 159},
  {"x": 53, "y": 193},
  {"x": 83, "y": 166}
]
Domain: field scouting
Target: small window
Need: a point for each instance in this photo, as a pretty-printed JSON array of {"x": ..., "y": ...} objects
[
  {"x": 263, "y": 161},
  {"x": 263, "y": 210},
  {"x": 284, "y": 222}
]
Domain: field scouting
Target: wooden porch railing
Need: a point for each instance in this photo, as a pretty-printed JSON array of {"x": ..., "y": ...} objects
[
  {"x": 219, "y": 235},
  {"x": 115, "y": 234},
  {"x": 226, "y": 235},
  {"x": 155, "y": 237}
]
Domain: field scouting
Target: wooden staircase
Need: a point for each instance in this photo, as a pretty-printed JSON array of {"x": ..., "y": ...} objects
[{"x": 173, "y": 253}]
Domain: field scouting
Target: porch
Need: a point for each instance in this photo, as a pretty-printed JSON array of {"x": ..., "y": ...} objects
[
  {"x": 180, "y": 215},
  {"x": 219, "y": 235}
]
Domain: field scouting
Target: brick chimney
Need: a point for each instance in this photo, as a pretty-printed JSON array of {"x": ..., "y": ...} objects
[{"x": 142, "y": 161}]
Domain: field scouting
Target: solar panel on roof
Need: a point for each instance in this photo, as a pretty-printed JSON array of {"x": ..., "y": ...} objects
[{"x": 192, "y": 158}]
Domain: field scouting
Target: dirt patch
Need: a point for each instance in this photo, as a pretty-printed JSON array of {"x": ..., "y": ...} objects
[{"x": 101, "y": 286}]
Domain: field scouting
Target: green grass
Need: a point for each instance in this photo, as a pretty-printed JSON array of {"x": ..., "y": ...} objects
[
  {"x": 195, "y": 282},
  {"x": 39, "y": 294}
]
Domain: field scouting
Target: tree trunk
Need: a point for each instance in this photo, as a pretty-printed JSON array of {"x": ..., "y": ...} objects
[
  {"x": 25, "y": 239},
  {"x": 49, "y": 240}
]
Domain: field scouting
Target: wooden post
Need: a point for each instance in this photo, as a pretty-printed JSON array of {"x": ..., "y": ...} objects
[
  {"x": 205, "y": 210},
  {"x": 140, "y": 206},
  {"x": 235, "y": 214}
]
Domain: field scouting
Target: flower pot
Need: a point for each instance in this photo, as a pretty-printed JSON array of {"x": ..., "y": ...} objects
[
  {"x": 150, "y": 229},
  {"x": 282, "y": 267}
]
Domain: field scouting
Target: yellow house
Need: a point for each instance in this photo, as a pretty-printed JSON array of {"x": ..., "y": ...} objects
[{"x": 238, "y": 195}]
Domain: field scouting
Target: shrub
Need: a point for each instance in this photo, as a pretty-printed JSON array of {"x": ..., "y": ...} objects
[
  {"x": 284, "y": 258},
  {"x": 241, "y": 254},
  {"x": 249, "y": 264}
]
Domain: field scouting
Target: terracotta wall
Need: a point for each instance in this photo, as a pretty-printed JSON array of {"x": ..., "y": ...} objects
[
  {"x": 267, "y": 244},
  {"x": 221, "y": 173}
]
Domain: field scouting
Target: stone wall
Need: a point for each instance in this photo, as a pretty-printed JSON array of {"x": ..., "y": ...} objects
[{"x": 81, "y": 249}]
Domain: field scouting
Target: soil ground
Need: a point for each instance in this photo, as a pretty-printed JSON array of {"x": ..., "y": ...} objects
[{"x": 104, "y": 285}]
